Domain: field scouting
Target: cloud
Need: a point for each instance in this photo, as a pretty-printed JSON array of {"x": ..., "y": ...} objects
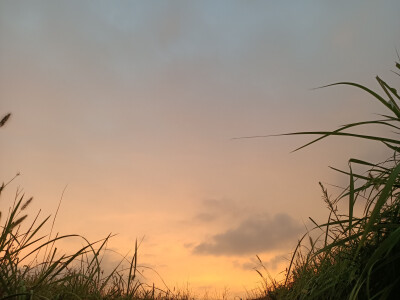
[
  {"x": 254, "y": 264},
  {"x": 217, "y": 209},
  {"x": 254, "y": 235},
  {"x": 205, "y": 217}
]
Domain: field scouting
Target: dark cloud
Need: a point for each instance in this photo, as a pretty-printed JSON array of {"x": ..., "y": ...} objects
[{"x": 254, "y": 235}]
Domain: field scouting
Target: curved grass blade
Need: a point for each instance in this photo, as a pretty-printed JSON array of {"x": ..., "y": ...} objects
[
  {"x": 384, "y": 195},
  {"x": 371, "y": 92}
]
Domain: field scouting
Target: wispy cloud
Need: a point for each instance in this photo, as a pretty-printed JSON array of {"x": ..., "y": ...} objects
[
  {"x": 215, "y": 209},
  {"x": 255, "y": 234},
  {"x": 254, "y": 264}
]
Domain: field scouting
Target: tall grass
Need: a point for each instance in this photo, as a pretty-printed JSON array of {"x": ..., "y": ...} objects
[
  {"x": 353, "y": 256},
  {"x": 32, "y": 267}
]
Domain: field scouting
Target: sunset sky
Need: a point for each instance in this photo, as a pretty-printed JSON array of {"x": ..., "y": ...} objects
[{"x": 133, "y": 107}]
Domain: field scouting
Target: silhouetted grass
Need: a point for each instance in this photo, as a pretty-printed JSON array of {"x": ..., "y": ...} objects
[
  {"x": 353, "y": 256},
  {"x": 350, "y": 256},
  {"x": 32, "y": 267}
]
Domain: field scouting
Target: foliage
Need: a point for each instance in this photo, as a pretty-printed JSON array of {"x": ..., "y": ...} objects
[
  {"x": 31, "y": 266},
  {"x": 355, "y": 256}
]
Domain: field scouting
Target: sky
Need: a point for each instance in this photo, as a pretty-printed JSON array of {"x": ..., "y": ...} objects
[{"x": 132, "y": 107}]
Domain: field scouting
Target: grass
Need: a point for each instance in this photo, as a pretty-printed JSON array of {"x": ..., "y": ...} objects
[
  {"x": 353, "y": 255},
  {"x": 32, "y": 267}
]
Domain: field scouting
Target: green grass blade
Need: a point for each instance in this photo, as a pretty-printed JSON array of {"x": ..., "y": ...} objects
[
  {"x": 369, "y": 91},
  {"x": 384, "y": 195},
  {"x": 351, "y": 200}
]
